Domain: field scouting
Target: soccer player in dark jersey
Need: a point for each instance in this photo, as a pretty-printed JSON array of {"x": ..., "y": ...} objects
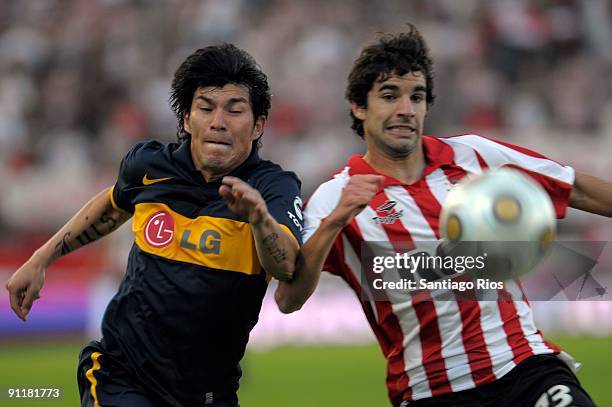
[
  {"x": 212, "y": 224},
  {"x": 439, "y": 353}
]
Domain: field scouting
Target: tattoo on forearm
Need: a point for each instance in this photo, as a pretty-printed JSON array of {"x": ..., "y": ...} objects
[
  {"x": 103, "y": 226},
  {"x": 108, "y": 220},
  {"x": 63, "y": 246},
  {"x": 96, "y": 231},
  {"x": 270, "y": 242},
  {"x": 84, "y": 238}
]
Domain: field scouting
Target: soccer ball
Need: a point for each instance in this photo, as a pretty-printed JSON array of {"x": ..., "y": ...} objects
[{"x": 506, "y": 214}]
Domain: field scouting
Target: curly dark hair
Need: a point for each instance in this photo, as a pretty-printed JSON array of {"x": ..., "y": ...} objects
[
  {"x": 218, "y": 65},
  {"x": 391, "y": 54}
]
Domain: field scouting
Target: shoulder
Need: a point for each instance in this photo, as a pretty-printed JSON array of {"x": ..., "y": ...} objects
[
  {"x": 487, "y": 150},
  {"x": 495, "y": 151},
  {"x": 146, "y": 146},
  {"x": 268, "y": 173},
  {"x": 467, "y": 140},
  {"x": 484, "y": 144},
  {"x": 145, "y": 151},
  {"x": 144, "y": 155},
  {"x": 328, "y": 193}
]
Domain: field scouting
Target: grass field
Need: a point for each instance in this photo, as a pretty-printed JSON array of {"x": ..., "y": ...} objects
[{"x": 297, "y": 377}]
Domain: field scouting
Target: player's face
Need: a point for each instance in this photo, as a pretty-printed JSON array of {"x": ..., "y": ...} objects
[
  {"x": 222, "y": 128},
  {"x": 395, "y": 113}
]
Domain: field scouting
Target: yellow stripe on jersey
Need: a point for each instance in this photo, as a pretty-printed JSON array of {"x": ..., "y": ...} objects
[
  {"x": 92, "y": 379},
  {"x": 207, "y": 241},
  {"x": 112, "y": 198}
]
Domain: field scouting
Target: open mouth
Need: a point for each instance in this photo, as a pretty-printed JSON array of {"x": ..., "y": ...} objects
[
  {"x": 401, "y": 129},
  {"x": 217, "y": 142}
]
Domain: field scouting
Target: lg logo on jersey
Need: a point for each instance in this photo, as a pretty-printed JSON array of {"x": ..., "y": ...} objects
[
  {"x": 159, "y": 233},
  {"x": 159, "y": 230},
  {"x": 209, "y": 243}
]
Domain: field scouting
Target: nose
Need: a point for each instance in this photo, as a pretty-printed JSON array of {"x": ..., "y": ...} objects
[
  {"x": 218, "y": 120},
  {"x": 405, "y": 107}
]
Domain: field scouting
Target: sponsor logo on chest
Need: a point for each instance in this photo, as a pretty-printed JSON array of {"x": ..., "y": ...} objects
[
  {"x": 386, "y": 213},
  {"x": 159, "y": 232}
]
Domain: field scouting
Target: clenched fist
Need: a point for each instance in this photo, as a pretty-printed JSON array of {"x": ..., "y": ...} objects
[
  {"x": 356, "y": 195},
  {"x": 243, "y": 199}
]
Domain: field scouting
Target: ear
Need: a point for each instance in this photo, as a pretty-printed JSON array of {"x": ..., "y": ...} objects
[
  {"x": 358, "y": 112},
  {"x": 186, "y": 122},
  {"x": 258, "y": 129}
]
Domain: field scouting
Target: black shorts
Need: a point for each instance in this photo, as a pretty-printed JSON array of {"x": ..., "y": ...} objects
[
  {"x": 103, "y": 383},
  {"x": 538, "y": 381}
]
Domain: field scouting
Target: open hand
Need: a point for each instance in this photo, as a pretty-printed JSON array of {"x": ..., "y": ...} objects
[{"x": 24, "y": 287}]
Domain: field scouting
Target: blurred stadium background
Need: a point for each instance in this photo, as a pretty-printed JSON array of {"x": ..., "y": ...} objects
[{"x": 82, "y": 80}]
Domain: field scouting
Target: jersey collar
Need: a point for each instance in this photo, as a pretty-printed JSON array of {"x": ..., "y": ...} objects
[{"x": 437, "y": 154}]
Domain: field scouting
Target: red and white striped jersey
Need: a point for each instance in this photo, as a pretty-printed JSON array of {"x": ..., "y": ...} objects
[{"x": 436, "y": 347}]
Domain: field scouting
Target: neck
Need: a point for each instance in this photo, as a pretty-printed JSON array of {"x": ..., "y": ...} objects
[
  {"x": 407, "y": 169},
  {"x": 213, "y": 170},
  {"x": 210, "y": 176}
]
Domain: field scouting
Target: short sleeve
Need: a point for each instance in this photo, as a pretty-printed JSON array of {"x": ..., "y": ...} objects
[
  {"x": 130, "y": 175},
  {"x": 319, "y": 206},
  {"x": 282, "y": 194},
  {"x": 557, "y": 179}
]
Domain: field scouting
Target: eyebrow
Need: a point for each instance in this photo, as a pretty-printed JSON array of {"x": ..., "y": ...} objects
[
  {"x": 231, "y": 101},
  {"x": 389, "y": 86}
]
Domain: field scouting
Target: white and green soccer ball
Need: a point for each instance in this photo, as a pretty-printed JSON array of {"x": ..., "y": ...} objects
[{"x": 508, "y": 214}]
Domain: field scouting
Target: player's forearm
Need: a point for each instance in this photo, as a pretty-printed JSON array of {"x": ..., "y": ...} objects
[
  {"x": 275, "y": 248},
  {"x": 592, "y": 194},
  {"x": 96, "y": 219},
  {"x": 291, "y": 295}
]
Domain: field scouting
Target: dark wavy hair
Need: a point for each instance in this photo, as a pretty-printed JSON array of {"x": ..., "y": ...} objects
[
  {"x": 391, "y": 54},
  {"x": 218, "y": 65}
]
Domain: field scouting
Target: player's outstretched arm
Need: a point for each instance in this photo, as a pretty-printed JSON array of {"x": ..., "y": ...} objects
[
  {"x": 96, "y": 219},
  {"x": 356, "y": 195},
  {"x": 591, "y": 194},
  {"x": 276, "y": 249}
]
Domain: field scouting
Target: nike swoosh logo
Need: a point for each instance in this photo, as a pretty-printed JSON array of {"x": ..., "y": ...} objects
[{"x": 149, "y": 181}]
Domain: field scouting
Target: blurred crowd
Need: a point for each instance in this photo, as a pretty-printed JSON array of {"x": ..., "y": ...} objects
[{"x": 82, "y": 80}]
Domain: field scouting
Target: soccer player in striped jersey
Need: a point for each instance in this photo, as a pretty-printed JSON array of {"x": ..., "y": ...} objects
[{"x": 439, "y": 353}]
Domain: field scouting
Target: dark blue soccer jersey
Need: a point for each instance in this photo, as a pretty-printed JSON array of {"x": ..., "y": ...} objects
[{"x": 194, "y": 285}]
